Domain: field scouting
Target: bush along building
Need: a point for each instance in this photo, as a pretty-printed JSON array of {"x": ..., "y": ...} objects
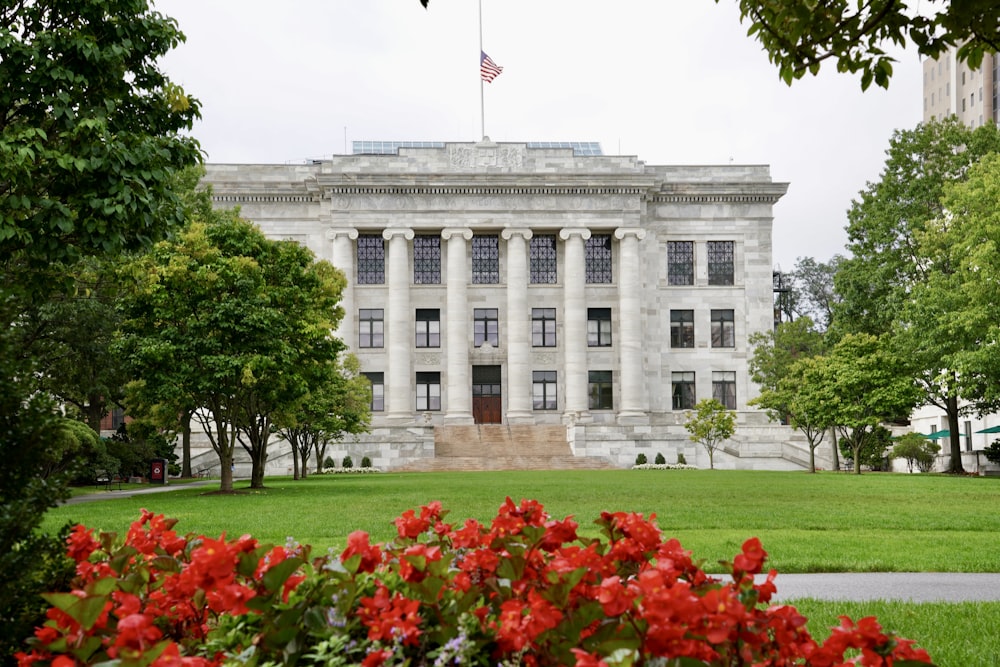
[{"x": 536, "y": 305}]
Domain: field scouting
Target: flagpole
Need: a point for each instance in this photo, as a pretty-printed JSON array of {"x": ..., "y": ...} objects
[{"x": 482, "y": 111}]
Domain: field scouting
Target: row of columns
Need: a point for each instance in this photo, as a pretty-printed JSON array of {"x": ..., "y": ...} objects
[{"x": 399, "y": 393}]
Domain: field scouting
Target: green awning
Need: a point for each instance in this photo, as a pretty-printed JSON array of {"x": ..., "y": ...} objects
[
  {"x": 936, "y": 435},
  {"x": 991, "y": 429}
]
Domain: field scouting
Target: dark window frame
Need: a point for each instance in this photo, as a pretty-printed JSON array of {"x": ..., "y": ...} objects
[
  {"x": 680, "y": 263},
  {"x": 370, "y": 334},
  {"x": 599, "y": 265},
  {"x": 544, "y": 390},
  {"x": 428, "y": 391},
  {"x": 543, "y": 268},
  {"x": 600, "y": 390},
  {"x": 371, "y": 259},
  {"x": 721, "y": 262},
  {"x": 682, "y": 328},
  {"x": 486, "y": 326},
  {"x": 543, "y": 327},
  {"x": 426, "y": 259},
  {"x": 427, "y": 327},
  {"x": 682, "y": 390},
  {"x": 724, "y": 388},
  {"x": 485, "y": 259},
  {"x": 377, "y": 403},
  {"x": 723, "y": 327},
  {"x": 599, "y": 327}
]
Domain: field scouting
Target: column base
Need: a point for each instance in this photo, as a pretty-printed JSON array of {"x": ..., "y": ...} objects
[
  {"x": 458, "y": 418},
  {"x": 571, "y": 417},
  {"x": 520, "y": 417},
  {"x": 397, "y": 418},
  {"x": 633, "y": 417}
]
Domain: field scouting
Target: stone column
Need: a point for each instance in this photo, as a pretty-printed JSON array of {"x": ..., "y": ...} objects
[
  {"x": 518, "y": 328},
  {"x": 399, "y": 385},
  {"x": 575, "y": 318},
  {"x": 632, "y": 406},
  {"x": 458, "y": 407},
  {"x": 342, "y": 257}
]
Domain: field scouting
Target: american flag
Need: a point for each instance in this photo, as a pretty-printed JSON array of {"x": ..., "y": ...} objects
[{"x": 488, "y": 69}]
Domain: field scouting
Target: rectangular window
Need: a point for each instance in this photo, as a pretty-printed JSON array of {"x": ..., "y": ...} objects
[
  {"x": 485, "y": 260},
  {"x": 598, "y": 327},
  {"x": 681, "y": 328},
  {"x": 428, "y": 327},
  {"x": 371, "y": 259},
  {"x": 723, "y": 328},
  {"x": 378, "y": 391},
  {"x": 598, "y": 256},
  {"x": 543, "y": 390},
  {"x": 680, "y": 262},
  {"x": 721, "y": 262},
  {"x": 599, "y": 390},
  {"x": 426, "y": 260},
  {"x": 724, "y": 388},
  {"x": 542, "y": 260},
  {"x": 428, "y": 391},
  {"x": 486, "y": 327},
  {"x": 543, "y": 327},
  {"x": 682, "y": 390},
  {"x": 371, "y": 327}
]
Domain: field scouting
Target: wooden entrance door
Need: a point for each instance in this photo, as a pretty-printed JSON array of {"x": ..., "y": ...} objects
[{"x": 487, "y": 399}]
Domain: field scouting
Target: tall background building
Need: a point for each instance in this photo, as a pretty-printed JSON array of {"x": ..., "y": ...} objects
[{"x": 952, "y": 88}]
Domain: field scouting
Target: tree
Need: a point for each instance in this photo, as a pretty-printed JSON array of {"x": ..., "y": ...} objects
[
  {"x": 813, "y": 287},
  {"x": 900, "y": 280},
  {"x": 916, "y": 450},
  {"x": 238, "y": 325},
  {"x": 858, "y": 385},
  {"x": 799, "y": 36},
  {"x": 90, "y": 133},
  {"x": 337, "y": 406},
  {"x": 710, "y": 425}
]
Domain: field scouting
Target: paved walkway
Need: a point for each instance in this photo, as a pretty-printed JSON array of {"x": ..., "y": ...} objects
[{"x": 911, "y": 586}]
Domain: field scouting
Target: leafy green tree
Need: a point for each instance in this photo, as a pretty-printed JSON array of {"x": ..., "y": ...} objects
[
  {"x": 858, "y": 385},
  {"x": 91, "y": 132},
  {"x": 813, "y": 289},
  {"x": 339, "y": 404},
  {"x": 901, "y": 279},
  {"x": 238, "y": 325},
  {"x": 799, "y": 36},
  {"x": 916, "y": 450},
  {"x": 710, "y": 424}
]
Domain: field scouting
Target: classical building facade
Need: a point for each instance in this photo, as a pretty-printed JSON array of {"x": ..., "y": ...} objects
[{"x": 544, "y": 290}]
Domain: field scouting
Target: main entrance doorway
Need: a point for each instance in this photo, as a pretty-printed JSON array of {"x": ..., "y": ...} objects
[{"x": 486, "y": 397}]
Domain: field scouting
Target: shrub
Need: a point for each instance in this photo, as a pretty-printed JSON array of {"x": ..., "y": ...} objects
[
  {"x": 366, "y": 462},
  {"x": 681, "y": 461},
  {"x": 347, "y": 462},
  {"x": 328, "y": 462},
  {"x": 640, "y": 459},
  {"x": 660, "y": 459},
  {"x": 993, "y": 452},
  {"x": 524, "y": 589},
  {"x": 916, "y": 450}
]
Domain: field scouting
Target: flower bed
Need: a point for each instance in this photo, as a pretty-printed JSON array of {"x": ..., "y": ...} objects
[
  {"x": 664, "y": 466},
  {"x": 524, "y": 589},
  {"x": 349, "y": 471}
]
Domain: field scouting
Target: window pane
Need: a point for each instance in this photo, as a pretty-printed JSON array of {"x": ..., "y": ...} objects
[
  {"x": 723, "y": 329},
  {"x": 371, "y": 259},
  {"x": 598, "y": 327},
  {"x": 542, "y": 259},
  {"x": 485, "y": 260},
  {"x": 370, "y": 327},
  {"x": 378, "y": 391},
  {"x": 598, "y": 259},
  {"x": 681, "y": 328},
  {"x": 680, "y": 262},
  {"x": 427, "y": 260},
  {"x": 721, "y": 262}
]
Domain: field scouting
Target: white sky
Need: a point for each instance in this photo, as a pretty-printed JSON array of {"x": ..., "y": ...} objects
[{"x": 670, "y": 81}]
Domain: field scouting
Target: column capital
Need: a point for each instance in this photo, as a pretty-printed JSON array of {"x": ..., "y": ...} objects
[
  {"x": 566, "y": 232},
  {"x": 458, "y": 232},
  {"x": 332, "y": 234},
  {"x": 622, "y": 232},
  {"x": 407, "y": 234},
  {"x": 508, "y": 233}
]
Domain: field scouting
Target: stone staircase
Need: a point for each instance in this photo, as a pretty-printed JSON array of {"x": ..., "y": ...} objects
[{"x": 478, "y": 447}]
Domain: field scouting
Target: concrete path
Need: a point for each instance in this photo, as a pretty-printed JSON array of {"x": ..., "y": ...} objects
[{"x": 910, "y": 586}]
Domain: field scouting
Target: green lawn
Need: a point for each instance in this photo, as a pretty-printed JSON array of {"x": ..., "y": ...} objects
[{"x": 808, "y": 523}]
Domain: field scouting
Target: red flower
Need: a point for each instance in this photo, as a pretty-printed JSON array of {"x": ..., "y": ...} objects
[
  {"x": 615, "y": 599},
  {"x": 377, "y": 658},
  {"x": 414, "y": 561},
  {"x": 389, "y": 618},
  {"x": 357, "y": 543},
  {"x": 584, "y": 659},
  {"x": 751, "y": 561},
  {"x": 409, "y": 525},
  {"x": 81, "y": 543}
]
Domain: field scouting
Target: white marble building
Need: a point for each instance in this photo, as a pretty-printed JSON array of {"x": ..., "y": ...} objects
[{"x": 537, "y": 287}]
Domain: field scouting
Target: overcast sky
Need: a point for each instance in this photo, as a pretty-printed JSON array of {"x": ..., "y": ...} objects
[{"x": 669, "y": 81}]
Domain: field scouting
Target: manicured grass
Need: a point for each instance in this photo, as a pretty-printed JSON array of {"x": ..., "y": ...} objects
[
  {"x": 808, "y": 523},
  {"x": 825, "y": 522},
  {"x": 955, "y": 634}
]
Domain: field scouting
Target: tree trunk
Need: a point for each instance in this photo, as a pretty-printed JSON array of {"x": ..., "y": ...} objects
[
  {"x": 812, "y": 458},
  {"x": 95, "y": 411},
  {"x": 226, "y": 463},
  {"x": 295, "y": 458},
  {"x": 186, "y": 444},
  {"x": 836, "y": 448},
  {"x": 955, "y": 465}
]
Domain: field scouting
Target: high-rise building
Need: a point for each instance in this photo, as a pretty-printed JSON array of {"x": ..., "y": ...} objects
[
  {"x": 952, "y": 88},
  {"x": 519, "y": 297}
]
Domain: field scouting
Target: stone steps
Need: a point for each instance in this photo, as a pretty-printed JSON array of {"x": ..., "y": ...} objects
[{"x": 478, "y": 447}]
